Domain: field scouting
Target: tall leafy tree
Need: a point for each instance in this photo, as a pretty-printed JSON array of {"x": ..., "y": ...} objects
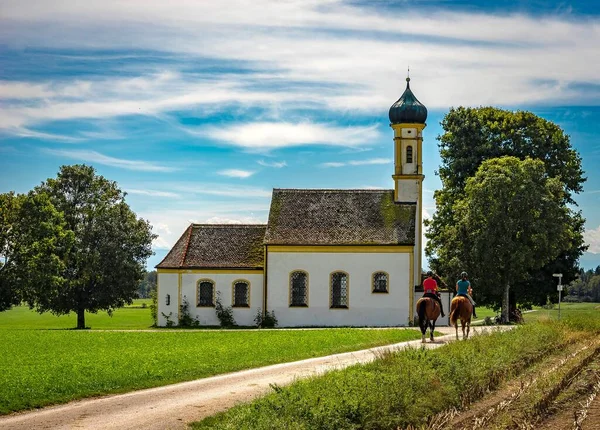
[
  {"x": 107, "y": 260},
  {"x": 474, "y": 135},
  {"x": 512, "y": 221},
  {"x": 34, "y": 242}
]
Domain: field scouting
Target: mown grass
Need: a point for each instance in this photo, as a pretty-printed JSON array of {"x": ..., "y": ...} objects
[
  {"x": 406, "y": 388},
  {"x": 568, "y": 311},
  {"x": 42, "y": 367},
  {"x": 131, "y": 317}
]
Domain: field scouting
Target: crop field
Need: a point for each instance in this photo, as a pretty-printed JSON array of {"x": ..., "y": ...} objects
[
  {"x": 543, "y": 374},
  {"x": 132, "y": 317},
  {"x": 42, "y": 367}
]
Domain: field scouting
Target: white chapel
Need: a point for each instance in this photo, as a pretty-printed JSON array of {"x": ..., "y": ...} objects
[{"x": 326, "y": 257}]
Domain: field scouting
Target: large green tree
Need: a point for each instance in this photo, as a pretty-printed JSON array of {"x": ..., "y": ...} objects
[
  {"x": 107, "y": 260},
  {"x": 511, "y": 221},
  {"x": 474, "y": 135},
  {"x": 34, "y": 242}
]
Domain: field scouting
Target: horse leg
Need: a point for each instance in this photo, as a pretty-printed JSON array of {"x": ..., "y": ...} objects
[
  {"x": 456, "y": 328},
  {"x": 431, "y": 330},
  {"x": 468, "y": 328},
  {"x": 462, "y": 323},
  {"x": 423, "y": 327}
]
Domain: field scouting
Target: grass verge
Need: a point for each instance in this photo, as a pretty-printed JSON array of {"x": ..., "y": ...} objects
[
  {"x": 53, "y": 366},
  {"x": 401, "y": 389}
]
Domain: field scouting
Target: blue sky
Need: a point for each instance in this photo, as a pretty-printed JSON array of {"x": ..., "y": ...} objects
[{"x": 199, "y": 109}]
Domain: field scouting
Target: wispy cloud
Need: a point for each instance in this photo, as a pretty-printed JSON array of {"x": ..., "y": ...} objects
[
  {"x": 273, "y": 135},
  {"x": 592, "y": 238},
  {"x": 275, "y": 164},
  {"x": 357, "y": 162},
  {"x": 94, "y": 157},
  {"x": 153, "y": 193},
  {"x": 236, "y": 173},
  {"x": 217, "y": 189}
]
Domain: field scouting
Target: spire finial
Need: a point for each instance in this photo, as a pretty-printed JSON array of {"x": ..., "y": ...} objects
[{"x": 408, "y": 77}]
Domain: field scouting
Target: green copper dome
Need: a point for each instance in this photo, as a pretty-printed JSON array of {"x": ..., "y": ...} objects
[{"x": 408, "y": 109}]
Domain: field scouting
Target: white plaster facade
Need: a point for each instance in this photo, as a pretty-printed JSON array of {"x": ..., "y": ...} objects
[
  {"x": 365, "y": 308},
  {"x": 185, "y": 285}
]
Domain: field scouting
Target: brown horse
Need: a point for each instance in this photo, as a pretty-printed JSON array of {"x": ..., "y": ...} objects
[
  {"x": 428, "y": 311},
  {"x": 461, "y": 308}
]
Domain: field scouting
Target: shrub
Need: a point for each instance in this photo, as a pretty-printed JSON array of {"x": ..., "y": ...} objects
[
  {"x": 154, "y": 307},
  {"x": 225, "y": 314},
  {"x": 268, "y": 320},
  {"x": 185, "y": 319}
]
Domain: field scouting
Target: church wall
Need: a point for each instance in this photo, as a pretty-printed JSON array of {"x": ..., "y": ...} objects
[
  {"x": 223, "y": 281},
  {"x": 365, "y": 308},
  {"x": 224, "y": 284},
  {"x": 168, "y": 285}
]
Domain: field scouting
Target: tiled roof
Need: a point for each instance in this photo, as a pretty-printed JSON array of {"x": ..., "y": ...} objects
[
  {"x": 230, "y": 246},
  {"x": 339, "y": 217}
]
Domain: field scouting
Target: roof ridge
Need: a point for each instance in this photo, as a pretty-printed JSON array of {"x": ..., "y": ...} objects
[
  {"x": 228, "y": 225},
  {"x": 187, "y": 245},
  {"x": 340, "y": 190}
]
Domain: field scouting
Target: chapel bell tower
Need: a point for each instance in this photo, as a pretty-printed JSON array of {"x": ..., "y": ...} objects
[{"x": 407, "y": 119}]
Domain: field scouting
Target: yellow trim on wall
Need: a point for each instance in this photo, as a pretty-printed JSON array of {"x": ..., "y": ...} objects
[
  {"x": 411, "y": 286},
  {"x": 347, "y": 290},
  {"x": 198, "y": 292},
  {"x": 247, "y": 282},
  {"x": 410, "y": 177},
  {"x": 387, "y": 284},
  {"x": 290, "y": 289},
  {"x": 214, "y": 271},
  {"x": 178, "y": 296},
  {"x": 377, "y": 249}
]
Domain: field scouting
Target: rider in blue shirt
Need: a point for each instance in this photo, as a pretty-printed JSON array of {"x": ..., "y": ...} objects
[{"x": 462, "y": 289}]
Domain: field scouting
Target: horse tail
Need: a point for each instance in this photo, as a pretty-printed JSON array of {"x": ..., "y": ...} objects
[
  {"x": 455, "y": 313},
  {"x": 422, "y": 310}
]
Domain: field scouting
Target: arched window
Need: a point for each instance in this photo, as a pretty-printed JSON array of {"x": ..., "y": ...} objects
[
  {"x": 339, "y": 290},
  {"x": 380, "y": 282},
  {"x": 409, "y": 154},
  {"x": 205, "y": 293},
  {"x": 299, "y": 288},
  {"x": 241, "y": 294}
]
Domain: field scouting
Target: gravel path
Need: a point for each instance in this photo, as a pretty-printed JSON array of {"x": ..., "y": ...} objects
[{"x": 173, "y": 406}]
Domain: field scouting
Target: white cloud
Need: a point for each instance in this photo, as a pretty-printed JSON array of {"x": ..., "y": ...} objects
[
  {"x": 592, "y": 238},
  {"x": 369, "y": 161},
  {"x": 170, "y": 224},
  {"x": 275, "y": 164},
  {"x": 153, "y": 193},
  {"x": 333, "y": 164},
  {"x": 272, "y": 135},
  {"x": 96, "y": 157},
  {"x": 236, "y": 173},
  {"x": 537, "y": 61}
]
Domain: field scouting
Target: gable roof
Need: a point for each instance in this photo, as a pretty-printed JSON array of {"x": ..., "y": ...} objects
[
  {"x": 224, "y": 246},
  {"x": 339, "y": 217}
]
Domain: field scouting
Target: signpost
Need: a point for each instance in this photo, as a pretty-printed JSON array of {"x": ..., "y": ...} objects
[{"x": 559, "y": 288}]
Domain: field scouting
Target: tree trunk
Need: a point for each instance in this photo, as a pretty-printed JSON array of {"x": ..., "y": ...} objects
[
  {"x": 80, "y": 318},
  {"x": 505, "y": 305}
]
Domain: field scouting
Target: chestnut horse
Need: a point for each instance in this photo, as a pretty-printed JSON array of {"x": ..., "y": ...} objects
[
  {"x": 461, "y": 308},
  {"x": 428, "y": 311}
]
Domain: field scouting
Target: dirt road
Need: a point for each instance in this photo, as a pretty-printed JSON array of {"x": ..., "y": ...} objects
[{"x": 172, "y": 406}]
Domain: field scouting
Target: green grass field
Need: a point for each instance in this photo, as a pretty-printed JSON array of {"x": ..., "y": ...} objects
[
  {"x": 567, "y": 310},
  {"x": 42, "y": 367},
  {"x": 407, "y": 388},
  {"x": 132, "y": 317}
]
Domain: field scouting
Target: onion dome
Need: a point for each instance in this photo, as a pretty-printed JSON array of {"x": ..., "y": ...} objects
[{"x": 408, "y": 109}]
